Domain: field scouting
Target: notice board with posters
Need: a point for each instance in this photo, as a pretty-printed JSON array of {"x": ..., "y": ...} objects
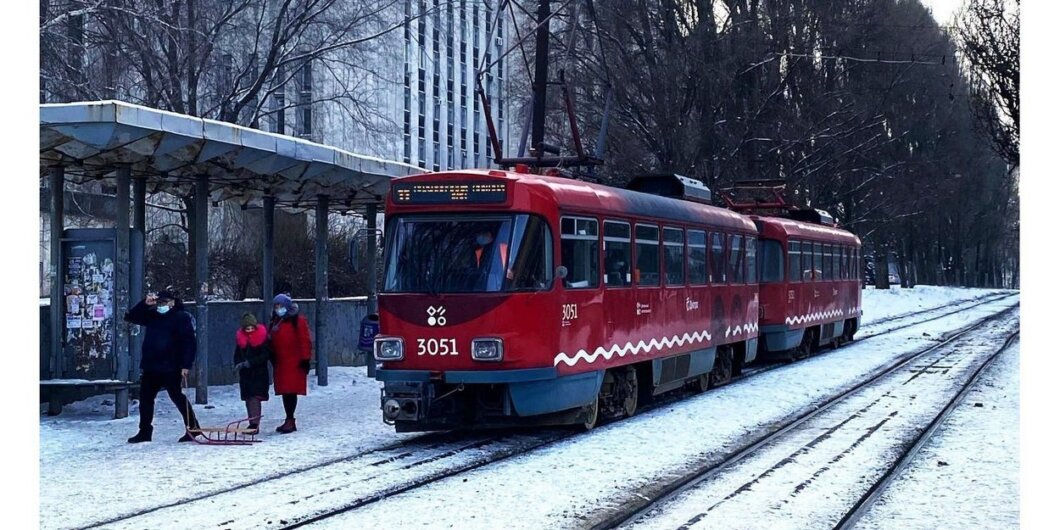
[{"x": 89, "y": 330}]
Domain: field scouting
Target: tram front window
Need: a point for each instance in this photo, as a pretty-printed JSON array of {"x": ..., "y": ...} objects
[{"x": 468, "y": 254}]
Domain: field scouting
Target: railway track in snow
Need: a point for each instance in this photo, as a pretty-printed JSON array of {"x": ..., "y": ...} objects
[
  {"x": 368, "y": 476},
  {"x": 824, "y": 454},
  {"x": 912, "y": 448}
]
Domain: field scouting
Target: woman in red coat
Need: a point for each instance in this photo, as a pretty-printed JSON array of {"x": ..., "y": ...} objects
[{"x": 292, "y": 349}]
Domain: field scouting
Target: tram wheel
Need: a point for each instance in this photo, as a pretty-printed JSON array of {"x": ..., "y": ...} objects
[
  {"x": 722, "y": 372},
  {"x": 702, "y": 383},
  {"x": 630, "y": 389},
  {"x": 593, "y": 414}
]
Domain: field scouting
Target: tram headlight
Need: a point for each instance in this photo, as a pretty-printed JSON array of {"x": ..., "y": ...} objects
[
  {"x": 487, "y": 349},
  {"x": 389, "y": 349}
]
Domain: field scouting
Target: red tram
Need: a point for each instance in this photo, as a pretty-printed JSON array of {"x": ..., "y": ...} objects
[
  {"x": 810, "y": 292},
  {"x": 515, "y": 298}
]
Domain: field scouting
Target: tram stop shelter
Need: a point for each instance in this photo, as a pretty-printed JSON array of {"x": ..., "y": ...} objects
[{"x": 96, "y": 274}]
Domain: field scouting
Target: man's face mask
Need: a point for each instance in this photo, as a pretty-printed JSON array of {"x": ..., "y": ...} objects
[
  {"x": 483, "y": 240},
  {"x": 163, "y": 309}
]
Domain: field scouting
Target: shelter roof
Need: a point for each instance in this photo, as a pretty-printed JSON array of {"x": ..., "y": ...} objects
[{"x": 92, "y": 139}]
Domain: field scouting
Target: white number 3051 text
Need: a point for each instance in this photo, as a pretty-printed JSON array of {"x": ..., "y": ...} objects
[{"x": 436, "y": 347}]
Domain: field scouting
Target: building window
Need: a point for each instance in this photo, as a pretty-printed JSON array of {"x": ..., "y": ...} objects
[{"x": 307, "y": 120}]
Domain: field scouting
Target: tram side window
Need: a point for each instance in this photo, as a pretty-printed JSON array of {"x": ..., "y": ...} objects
[
  {"x": 617, "y": 254},
  {"x": 837, "y": 259},
  {"x": 717, "y": 258},
  {"x": 752, "y": 260},
  {"x": 794, "y": 261},
  {"x": 647, "y": 255},
  {"x": 736, "y": 265},
  {"x": 841, "y": 271},
  {"x": 674, "y": 250},
  {"x": 580, "y": 249},
  {"x": 771, "y": 261},
  {"x": 859, "y": 268},
  {"x": 818, "y": 261},
  {"x": 697, "y": 257},
  {"x": 826, "y": 266},
  {"x": 842, "y": 257}
]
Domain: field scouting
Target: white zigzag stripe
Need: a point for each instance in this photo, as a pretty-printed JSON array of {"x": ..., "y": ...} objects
[
  {"x": 813, "y": 317},
  {"x": 746, "y": 328},
  {"x": 630, "y": 349}
]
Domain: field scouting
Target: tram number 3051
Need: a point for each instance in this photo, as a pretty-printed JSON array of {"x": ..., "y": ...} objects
[{"x": 436, "y": 347}]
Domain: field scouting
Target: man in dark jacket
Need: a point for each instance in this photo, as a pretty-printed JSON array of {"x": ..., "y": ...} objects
[{"x": 168, "y": 353}]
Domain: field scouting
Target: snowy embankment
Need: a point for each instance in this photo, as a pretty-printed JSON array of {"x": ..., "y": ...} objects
[{"x": 89, "y": 474}]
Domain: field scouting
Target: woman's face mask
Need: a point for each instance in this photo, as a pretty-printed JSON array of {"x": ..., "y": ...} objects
[
  {"x": 281, "y": 311},
  {"x": 482, "y": 240}
]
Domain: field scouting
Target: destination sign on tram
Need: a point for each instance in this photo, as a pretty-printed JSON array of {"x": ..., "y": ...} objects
[{"x": 450, "y": 192}]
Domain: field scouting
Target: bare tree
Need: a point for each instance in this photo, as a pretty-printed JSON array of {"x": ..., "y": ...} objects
[{"x": 989, "y": 34}]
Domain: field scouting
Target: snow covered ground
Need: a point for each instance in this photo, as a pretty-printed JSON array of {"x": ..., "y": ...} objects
[
  {"x": 90, "y": 475},
  {"x": 967, "y": 475},
  {"x": 813, "y": 474},
  {"x": 571, "y": 483}
]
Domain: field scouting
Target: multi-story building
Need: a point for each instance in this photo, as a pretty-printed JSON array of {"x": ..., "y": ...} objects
[{"x": 418, "y": 89}]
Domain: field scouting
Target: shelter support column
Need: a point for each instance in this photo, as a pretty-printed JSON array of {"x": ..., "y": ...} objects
[
  {"x": 202, "y": 248},
  {"x": 370, "y": 216},
  {"x": 121, "y": 291},
  {"x": 268, "y": 220},
  {"x": 137, "y": 267},
  {"x": 321, "y": 290},
  {"x": 373, "y": 298},
  {"x": 56, "y": 181}
]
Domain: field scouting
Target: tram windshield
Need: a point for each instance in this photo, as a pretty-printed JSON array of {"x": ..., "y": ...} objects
[{"x": 468, "y": 254}]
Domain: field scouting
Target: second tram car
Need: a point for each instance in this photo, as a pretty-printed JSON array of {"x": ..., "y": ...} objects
[{"x": 809, "y": 289}]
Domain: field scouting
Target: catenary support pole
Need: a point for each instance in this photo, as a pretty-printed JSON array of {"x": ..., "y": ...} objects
[
  {"x": 373, "y": 299},
  {"x": 202, "y": 248},
  {"x": 121, "y": 290},
  {"x": 58, "y": 302},
  {"x": 540, "y": 85},
  {"x": 268, "y": 219},
  {"x": 321, "y": 290}
]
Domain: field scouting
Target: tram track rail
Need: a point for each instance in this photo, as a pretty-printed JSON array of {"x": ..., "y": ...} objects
[
  {"x": 441, "y": 445},
  {"x": 912, "y": 449},
  {"x": 640, "y": 505}
]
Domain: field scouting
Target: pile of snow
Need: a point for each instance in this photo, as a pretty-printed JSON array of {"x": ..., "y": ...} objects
[{"x": 879, "y": 304}]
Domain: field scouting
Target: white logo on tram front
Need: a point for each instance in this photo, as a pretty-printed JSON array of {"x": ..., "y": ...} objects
[{"x": 435, "y": 316}]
